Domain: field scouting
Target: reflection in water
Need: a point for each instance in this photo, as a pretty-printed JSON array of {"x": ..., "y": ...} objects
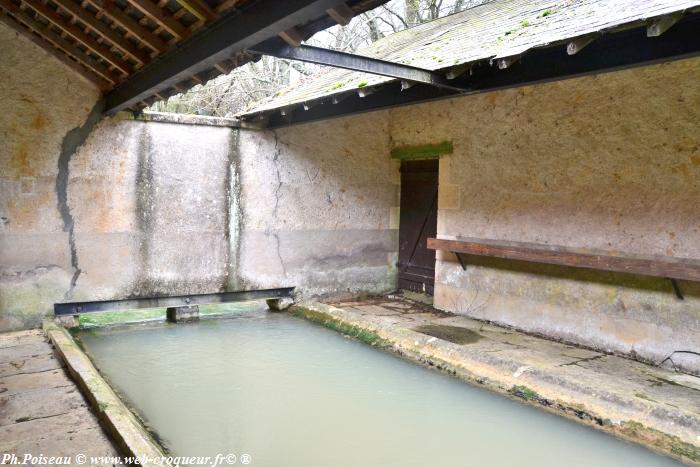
[{"x": 292, "y": 394}]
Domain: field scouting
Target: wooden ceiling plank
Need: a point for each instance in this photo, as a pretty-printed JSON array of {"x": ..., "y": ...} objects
[
  {"x": 142, "y": 33},
  {"x": 103, "y": 30},
  {"x": 161, "y": 17},
  {"x": 77, "y": 34},
  {"x": 47, "y": 34},
  {"x": 198, "y": 8},
  {"x": 226, "y": 5},
  {"x": 98, "y": 81}
]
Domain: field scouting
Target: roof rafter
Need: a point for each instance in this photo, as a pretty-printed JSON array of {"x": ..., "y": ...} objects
[
  {"x": 199, "y": 8},
  {"x": 103, "y": 30},
  {"x": 100, "y": 82},
  {"x": 79, "y": 35},
  {"x": 306, "y": 53},
  {"x": 235, "y": 32},
  {"x": 56, "y": 40},
  {"x": 118, "y": 16},
  {"x": 615, "y": 50},
  {"x": 161, "y": 17}
]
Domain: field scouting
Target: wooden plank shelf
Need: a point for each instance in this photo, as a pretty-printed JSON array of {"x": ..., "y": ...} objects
[{"x": 658, "y": 266}]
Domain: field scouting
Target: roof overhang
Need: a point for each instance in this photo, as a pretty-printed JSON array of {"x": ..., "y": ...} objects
[{"x": 647, "y": 42}]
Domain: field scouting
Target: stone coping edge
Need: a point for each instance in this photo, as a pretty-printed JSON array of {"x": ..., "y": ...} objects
[
  {"x": 445, "y": 356},
  {"x": 182, "y": 119},
  {"x": 124, "y": 429}
]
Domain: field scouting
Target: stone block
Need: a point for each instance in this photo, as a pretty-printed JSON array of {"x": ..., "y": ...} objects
[
  {"x": 182, "y": 314},
  {"x": 279, "y": 304}
]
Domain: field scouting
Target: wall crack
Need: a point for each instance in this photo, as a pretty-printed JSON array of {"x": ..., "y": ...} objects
[
  {"x": 69, "y": 146},
  {"x": 278, "y": 195}
]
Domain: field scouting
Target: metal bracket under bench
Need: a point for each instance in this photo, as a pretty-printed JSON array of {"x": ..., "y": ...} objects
[{"x": 657, "y": 266}]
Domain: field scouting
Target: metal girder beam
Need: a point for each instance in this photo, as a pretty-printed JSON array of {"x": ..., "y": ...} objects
[
  {"x": 76, "y": 308},
  {"x": 238, "y": 30},
  {"x": 306, "y": 53},
  {"x": 610, "y": 52}
]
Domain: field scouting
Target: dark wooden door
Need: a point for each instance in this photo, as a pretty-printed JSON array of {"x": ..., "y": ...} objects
[{"x": 418, "y": 222}]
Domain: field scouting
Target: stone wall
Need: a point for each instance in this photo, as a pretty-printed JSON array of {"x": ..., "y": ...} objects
[
  {"x": 118, "y": 208},
  {"x": 113, "y": 209},
  {"x": 147, "y": 209},
  {"x": 45, "y": 104},
  {"x": 94, "y": 210},
  {"x": 610, "y": 162},
  {"x": 319, "y": 208}
]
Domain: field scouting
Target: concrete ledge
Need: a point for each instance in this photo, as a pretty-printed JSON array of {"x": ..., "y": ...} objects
[
  {"x": 599, "y": 404},
  {"x": 183, "y": 119},
  {"x": 125, "y": 430}
]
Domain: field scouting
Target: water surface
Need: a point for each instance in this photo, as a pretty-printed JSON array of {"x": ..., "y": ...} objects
[{"x": 293, "y": 394}]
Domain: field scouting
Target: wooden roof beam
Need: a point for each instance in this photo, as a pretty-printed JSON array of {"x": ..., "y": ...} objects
[
  {"x": 142, "y": 33},
  {"x": 292, "y": 37},
  {"x": 198, "y": 8},
  {"x": 103, "y": 30},
  {"x": 161, "y": 17},
  {"x": 77, "y": 34},
  {"x": 225, "y": 67},
  {"x": 226, "y": 5},
  {"x": 56, "y": 40},
  {"x": 98, "y": 81},
  {"x": 341, "y": 14},
  {"x": 228, "y": 35}
]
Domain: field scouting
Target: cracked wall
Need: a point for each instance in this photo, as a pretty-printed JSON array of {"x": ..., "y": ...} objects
[
  {"x": 44, "y": 106},
  {"x": 113, "y": 209},
  {"x": 100, "y": 210},
  {"x": 150, "y": 203},
  {"x": 317, "y": 203}
]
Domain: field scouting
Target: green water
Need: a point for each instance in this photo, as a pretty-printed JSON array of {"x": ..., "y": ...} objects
[{"x": 292, "y": 394}]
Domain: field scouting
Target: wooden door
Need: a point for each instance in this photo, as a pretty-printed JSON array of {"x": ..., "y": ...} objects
[{"x": 418, "y": 222}]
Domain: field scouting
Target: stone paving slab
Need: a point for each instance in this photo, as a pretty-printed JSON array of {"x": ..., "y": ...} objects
[
  {"x": 40, "y": 404},
  {"x": 29, "y": 365},
  {"x": 650, "y": 405},
  {"x": 42, "y": 412}
]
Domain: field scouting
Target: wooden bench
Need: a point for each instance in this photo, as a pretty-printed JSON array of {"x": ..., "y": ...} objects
[{"x": 658, "y": 266}]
